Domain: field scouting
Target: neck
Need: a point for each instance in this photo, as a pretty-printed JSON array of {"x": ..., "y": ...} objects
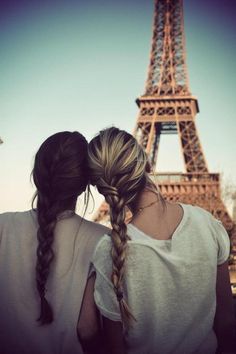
[{"x": 145, "y": 198}]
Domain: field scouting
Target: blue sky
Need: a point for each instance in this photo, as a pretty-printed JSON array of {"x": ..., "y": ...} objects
[{"x": 80, "y": 65}]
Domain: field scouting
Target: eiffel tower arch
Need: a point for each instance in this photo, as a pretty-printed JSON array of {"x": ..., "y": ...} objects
[{"x": 168, "y": 107}]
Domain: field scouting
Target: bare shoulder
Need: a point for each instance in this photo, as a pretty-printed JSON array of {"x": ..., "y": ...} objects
[{"x": 175, "y": 210}]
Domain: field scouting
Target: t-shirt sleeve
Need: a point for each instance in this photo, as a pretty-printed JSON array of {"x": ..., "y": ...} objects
[
  {"x": 223, "y": 241},
  {"x": 104, "y": 294}
]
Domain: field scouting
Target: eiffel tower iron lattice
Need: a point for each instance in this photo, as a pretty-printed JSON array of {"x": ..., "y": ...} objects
[{"x": 168, "y": 107}]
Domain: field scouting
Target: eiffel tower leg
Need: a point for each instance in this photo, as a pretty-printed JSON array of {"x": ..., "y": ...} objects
[
  {"x": 156, "y": 144},
  {"x": 192, "y": 151}
]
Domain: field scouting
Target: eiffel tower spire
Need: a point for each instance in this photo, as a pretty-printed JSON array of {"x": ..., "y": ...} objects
[{"x": 167, "y": 73}]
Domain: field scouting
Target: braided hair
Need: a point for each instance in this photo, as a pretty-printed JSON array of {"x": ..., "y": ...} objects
[
  {"x": 60, "y": 175},
  {"x": 118, "y": 166}
]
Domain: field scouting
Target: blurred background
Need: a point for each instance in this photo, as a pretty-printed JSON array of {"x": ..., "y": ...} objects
[{"x": 80, "y": 65}]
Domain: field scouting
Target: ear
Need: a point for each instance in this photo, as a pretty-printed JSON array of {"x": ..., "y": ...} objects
[{"x": 148, "y": 167}]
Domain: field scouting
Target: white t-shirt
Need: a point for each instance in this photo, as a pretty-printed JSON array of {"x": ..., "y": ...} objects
[
  {"x": 169, "y": 285},
  {"x": 74, "y": 244}
]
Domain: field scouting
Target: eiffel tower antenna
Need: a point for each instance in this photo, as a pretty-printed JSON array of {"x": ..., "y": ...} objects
[{"x": 168, "y": 107}]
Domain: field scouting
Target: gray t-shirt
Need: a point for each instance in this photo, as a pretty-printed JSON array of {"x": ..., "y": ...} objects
[
  {"x": 74, "y": 243},
  {"x": 170, "y": 285}
]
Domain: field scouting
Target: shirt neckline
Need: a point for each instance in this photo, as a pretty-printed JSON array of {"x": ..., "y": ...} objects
[{"x": 133, "y": 231}]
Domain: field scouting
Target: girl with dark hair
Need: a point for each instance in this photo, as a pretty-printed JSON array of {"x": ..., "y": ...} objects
[
  {"x": 162, "y": 282},
  {"x": 46, "y": 293}
]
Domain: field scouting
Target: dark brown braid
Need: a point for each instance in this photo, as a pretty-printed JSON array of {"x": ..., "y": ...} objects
[{"x": 60, "y": 175}]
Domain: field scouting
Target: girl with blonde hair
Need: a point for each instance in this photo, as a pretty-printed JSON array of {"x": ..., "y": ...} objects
[
  {"x": 162, "y": 283},
  {"x": 46, "y": 291}
]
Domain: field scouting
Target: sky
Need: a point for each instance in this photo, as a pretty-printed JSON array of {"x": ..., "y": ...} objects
[{"x": 80, "y": 65}]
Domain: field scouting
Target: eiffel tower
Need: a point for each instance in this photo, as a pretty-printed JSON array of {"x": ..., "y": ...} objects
[{"x": 168, "y": 107}]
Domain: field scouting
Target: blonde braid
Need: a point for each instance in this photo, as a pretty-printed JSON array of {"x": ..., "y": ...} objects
[
  {"x": 117, "y": 167},
  {"x": 119, "y": 252}
]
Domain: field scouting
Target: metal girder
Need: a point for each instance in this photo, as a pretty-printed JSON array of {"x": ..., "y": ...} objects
[{"x": 167, "y": 74}]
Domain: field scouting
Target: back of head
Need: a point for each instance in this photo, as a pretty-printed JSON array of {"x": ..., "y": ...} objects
[
  {"x": 60, "y": 172},
  {"x": 60, "y": 175},
  {"x": 119, "y": 167}
]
